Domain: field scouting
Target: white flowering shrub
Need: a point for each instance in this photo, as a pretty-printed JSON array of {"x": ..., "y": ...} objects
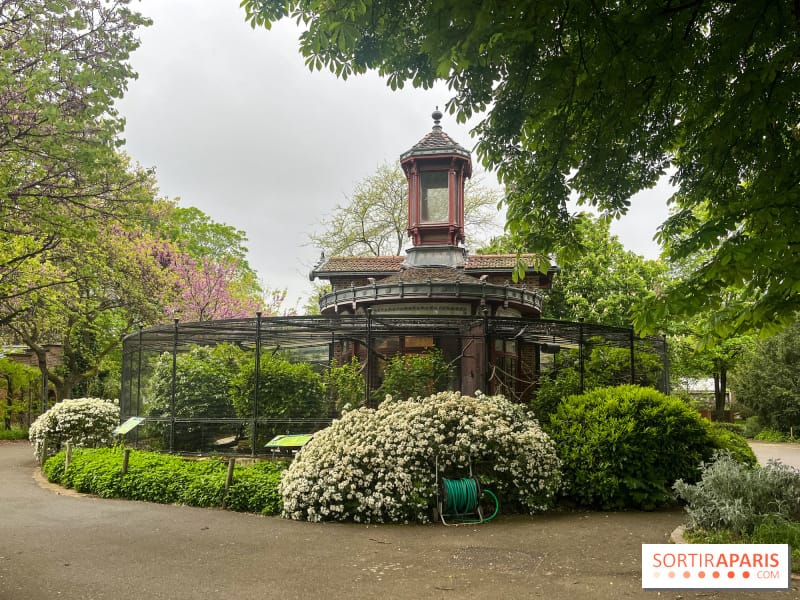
[
  {"x": 84, "y": 422},
  {"x": 378, "y": 465}
]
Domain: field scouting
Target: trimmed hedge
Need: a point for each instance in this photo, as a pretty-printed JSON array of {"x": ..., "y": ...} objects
[
  {"x": 166, "y": 479},
  {"x": 624, "y": 447}
]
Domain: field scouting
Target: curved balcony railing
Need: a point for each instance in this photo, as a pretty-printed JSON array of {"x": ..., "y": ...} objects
[{"x": 505, "y": 295}]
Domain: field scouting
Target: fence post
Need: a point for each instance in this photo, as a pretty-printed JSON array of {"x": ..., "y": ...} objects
[
  {"x": 580, "y": 350},
  {"x": 487, "y": 348},
  {"x": 665, "y": 355},
  {"x": 633, "y": 360},
  {"x": 67, "y": 455},
  {"x": 229, "y": 477},
  {"x": 368, "y": 374},
  {"x": 126, "y": 456},
  {"x": 172, "y": 391},
  {"x": 257, "y": 381},
  {"x": 139, "y": 375}
]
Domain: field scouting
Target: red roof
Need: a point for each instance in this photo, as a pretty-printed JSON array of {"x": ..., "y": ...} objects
[{"x": 368, "y": 265}]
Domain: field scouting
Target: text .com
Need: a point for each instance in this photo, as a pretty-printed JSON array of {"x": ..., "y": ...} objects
[{"x": 716, "y": 566}]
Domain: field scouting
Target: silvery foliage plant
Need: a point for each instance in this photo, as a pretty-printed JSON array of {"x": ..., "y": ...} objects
[
  {"x": 84, "y": 422},
  {"x": 377, "y": 465}
]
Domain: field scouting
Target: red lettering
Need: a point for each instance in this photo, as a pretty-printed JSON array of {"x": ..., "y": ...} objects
[{"x": 774, "y": 560}]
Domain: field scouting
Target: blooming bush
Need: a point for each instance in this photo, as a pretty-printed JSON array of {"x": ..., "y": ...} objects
[
  {"x": 84, "y": 422},
  {"x": 378, "y": 465}
]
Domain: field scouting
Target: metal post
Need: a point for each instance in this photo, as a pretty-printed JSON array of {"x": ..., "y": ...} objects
[
  {"x": 257, "y": 381},
  {"x": 665, "y": 350},
  {"x": 172, "y": 392},
  {"x": 368, "y": 375},
  {"x": 139, "y": 377},
  {"x": 487, "y": 347},
  {"x": 67, "y": 455},
  {"x": 633, "y": 360},
  {"x": 580, "y": 351}
]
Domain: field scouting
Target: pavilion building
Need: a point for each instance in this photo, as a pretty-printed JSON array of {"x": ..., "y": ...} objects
[{"x": 437, "y": 277}]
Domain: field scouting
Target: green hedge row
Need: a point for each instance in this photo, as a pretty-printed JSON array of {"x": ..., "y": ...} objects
[{"x": 167, "y": 479}]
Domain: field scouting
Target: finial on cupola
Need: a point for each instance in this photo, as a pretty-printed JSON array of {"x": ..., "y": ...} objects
[{"x": 437, "y": 118}]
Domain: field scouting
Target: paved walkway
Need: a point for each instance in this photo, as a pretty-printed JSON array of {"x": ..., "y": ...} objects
[
  {"x": 56, "y": 546},
  {"x": 788, "y": 454}
]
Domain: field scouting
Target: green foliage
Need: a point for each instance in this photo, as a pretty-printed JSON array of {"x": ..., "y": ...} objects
[
  {"x": 345, "y": 384},
  {"x": 730, "y": 440},
  {"x": 733, "y": 496},
  {"x": 598, "y": 100},
  {"x": 770, "y": 435},
  {"x": 203, "y": 382},
  {"x": 378, "y": 465},
  {"x": 603, "y": 366},
  {"x": 767, "y": 380},
  {"x": 601, "y": 282},
  {"x": 203, "y": 388},
  {"x": 286, "y": 390},
  {"x": 154, "y": 477},
  {"x": 15, "y": 433},
  {"x": 552, "y": 390},
  {"x": 411, "y": 375},
  {"x": 624, "y": 447},
  {"x": 752, "y": 426}
]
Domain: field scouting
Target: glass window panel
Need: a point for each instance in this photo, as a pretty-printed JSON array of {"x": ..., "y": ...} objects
[{"x": 435, "y": 197}]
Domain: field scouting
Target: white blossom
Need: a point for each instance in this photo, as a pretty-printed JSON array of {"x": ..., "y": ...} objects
[
  {"x": 84, "y": 422},
  {"x": 378, "y": 465}
]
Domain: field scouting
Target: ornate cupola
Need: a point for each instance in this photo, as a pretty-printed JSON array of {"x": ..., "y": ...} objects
[{"x": 436, "y": 168}]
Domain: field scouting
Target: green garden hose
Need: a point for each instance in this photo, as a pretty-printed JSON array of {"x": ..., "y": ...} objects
[{"x": 461, "y": 498}]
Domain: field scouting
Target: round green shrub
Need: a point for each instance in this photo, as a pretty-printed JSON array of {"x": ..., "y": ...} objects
[
  {"x": 624, "y": 447},
  {"x": 725, "y": 439},
  {"x": 83, "y": 422},
  {"x": 377, "y": 465}
]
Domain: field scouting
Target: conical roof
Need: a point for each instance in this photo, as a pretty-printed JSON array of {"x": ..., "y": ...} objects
[{"x": 436, "y": 142}]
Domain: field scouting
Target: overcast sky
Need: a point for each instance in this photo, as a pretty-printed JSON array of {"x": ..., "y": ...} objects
[{"x": 236, "y": 125}]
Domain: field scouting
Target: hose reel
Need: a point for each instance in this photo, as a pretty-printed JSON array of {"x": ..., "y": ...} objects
[{"x": 459, "y": 499}]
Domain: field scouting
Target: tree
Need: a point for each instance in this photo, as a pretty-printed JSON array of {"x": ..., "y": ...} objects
[
  {"x": 602, "y": 279},
  {"x": 375, "y": 221},
  {"x": 767, "y": 380},
  {"x": 690, "y": 358},
  {"x": 600, "y": 99},
  {"x": 108, "y": 285},
  {"x": 208, "y": 242},
  {"x": 64, "y": 65}
]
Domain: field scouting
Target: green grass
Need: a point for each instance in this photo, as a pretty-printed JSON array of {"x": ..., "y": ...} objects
[
  {"x": 167, "y": 479},
  {"x": 771, "y": 531},
  {"x": 15, "y": 433}
]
